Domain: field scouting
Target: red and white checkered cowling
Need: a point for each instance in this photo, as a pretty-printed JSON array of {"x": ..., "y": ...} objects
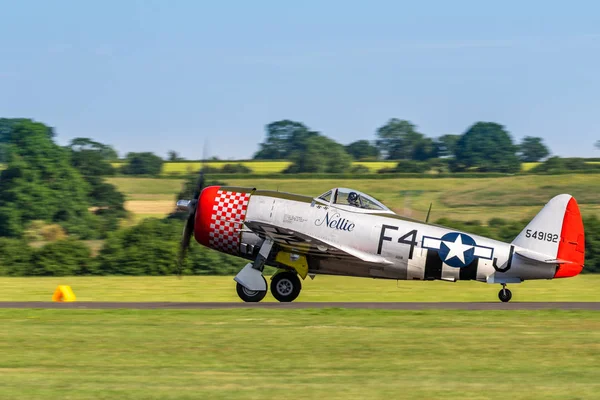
[{"x": 219, "y": 219}]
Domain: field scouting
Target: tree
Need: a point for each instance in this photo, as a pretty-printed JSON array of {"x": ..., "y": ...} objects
[
  {"x": 283, "y": 137},
  {"x": 486, "y": 147},
  {"x": 532, "y": 149},
  {"x": 39, "y": 183},
  {"x": 142, "y": 164},
  {"x": 319, "y": 154},
  {"x": 172, "y": 155},
  {"x": 425, "y": 149},
  {"x": 107, "y": 152},
  {"x": 89, "y": 158},
  {"x": 362, "y": 149},
  {"x": 447, "y": 145},
  {"x": 398, "y": 140},
  {"x": 6, "y": 128}
]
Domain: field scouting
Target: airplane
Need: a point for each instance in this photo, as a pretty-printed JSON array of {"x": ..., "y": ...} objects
[{"x": 347, "y": 232}]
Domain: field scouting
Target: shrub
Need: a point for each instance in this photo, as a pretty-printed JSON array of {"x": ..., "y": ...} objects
[
  {"x": 151, "y": 248},
  {"x": 38, "y": 230},
  {"x": 62, "y": 258},
  {"x": 15, "y": 257},
  {"x": 235, "y": 169},
  {"x": 53, "y": 232},
  {"x": 360, "y": 169},
  {"x": 407, "y": 166},
  {"x": 497, "y": 222}
]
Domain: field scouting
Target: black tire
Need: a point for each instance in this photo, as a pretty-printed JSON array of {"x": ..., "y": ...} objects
[
  {"x": 505, "y": 295},
  {"x": 251, "y": 296},
  {"x": 285, "y": 286}
]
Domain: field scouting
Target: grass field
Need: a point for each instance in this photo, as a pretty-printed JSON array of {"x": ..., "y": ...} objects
[
  {"x": 515, "y": 197},
  {"x": 298, "y": 354},
  {"x": 322, "y": 288}
]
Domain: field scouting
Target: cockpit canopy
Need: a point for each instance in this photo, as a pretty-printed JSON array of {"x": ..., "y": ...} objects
[{"x": 352, "y": 200}]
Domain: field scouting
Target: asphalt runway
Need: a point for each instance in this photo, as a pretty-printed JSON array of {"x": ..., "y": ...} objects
[{"x": 303, "y": 305}]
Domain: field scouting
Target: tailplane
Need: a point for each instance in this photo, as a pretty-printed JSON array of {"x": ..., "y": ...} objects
[{"x": 555, "y": 236}]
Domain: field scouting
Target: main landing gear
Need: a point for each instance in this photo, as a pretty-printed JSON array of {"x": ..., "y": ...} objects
[
  {"x": 285, "y": 287},
  {"x": 504, "y": 294},
  {"x": 252, "y": 286}
]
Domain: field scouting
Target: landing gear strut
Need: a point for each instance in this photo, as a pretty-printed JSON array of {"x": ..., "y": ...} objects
[
  {"x": 251, "y": 284},
  {"x": 504, "y": 294}
]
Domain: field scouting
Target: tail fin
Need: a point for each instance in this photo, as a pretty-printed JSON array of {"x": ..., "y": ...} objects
[{"x": 556, "y": 233}]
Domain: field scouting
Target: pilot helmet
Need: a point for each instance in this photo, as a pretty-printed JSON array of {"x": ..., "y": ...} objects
[{"x": 352, "y": 197}]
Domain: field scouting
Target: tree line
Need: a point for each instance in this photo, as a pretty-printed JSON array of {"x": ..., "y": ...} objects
[{"x": 483, "y": 147}]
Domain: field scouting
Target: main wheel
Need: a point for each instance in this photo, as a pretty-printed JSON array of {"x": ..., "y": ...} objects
[
  {"x": 285, "y": 286},
  {"x": 251, "y": 296},
  {"x": 504, "y": 295}
]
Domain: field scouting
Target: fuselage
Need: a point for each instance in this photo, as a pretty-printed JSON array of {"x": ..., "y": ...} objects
[{"x": 412, "y": 249}]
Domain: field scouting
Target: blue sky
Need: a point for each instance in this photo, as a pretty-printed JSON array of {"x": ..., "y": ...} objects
[{"x": 165, "y": 75}]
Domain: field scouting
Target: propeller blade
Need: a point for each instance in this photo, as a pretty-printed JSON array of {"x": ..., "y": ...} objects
[
  {"x": 188, "y": 230},
  {"x": 199, "y": 186}
]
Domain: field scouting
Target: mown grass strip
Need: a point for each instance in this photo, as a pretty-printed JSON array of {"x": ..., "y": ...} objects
[
  {"x": 322, "y": 288},
  {"x": 300, "y": 354}
]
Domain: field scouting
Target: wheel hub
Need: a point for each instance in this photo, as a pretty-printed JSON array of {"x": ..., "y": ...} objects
[
  {"x": 284, "y": 287},
  {"x": 249, "y": 292}
]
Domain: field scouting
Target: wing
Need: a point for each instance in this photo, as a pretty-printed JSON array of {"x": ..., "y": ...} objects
[{"x": 310, "y": 245}]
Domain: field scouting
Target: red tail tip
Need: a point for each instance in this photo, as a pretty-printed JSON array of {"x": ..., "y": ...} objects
[{"x": 572, "y": 242}]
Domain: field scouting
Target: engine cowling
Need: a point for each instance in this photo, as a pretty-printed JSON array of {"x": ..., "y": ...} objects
[{"x": 222, "y": 213}]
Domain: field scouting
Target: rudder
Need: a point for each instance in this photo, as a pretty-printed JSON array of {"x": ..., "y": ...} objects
[{"x": 557, "y": 233}]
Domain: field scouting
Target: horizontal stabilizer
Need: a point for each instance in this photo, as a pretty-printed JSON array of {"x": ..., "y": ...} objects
[{"x": 534, "y": 256}]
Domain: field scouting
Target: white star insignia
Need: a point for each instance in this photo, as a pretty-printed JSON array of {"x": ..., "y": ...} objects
[{"x": 457, "y": 249}]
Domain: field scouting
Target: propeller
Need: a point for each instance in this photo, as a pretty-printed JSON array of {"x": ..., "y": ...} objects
[
  {"x": 192, "y": 207},
  {"x": 188, "y": 229}
]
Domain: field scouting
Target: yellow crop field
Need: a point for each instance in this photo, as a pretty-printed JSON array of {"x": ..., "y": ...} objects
[
  {"x": 257, "y": 167},
  {"x": 527, "y": 166},
  {"x": 274, "y": 167},
  {"x": 375, "y": 166}
]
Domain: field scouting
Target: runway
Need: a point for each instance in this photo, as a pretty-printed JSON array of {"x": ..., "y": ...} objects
[{"x": 491, "y": 306}]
